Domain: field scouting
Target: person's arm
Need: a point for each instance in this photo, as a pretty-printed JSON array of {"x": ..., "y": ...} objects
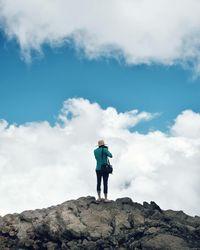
[
  {"x": 95, "y": 154},
  {"x": 108, "y": 153}
]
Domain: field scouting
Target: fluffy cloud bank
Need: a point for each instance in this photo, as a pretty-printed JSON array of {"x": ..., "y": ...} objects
[
  {"x": 41, "y": 165},
  {"x": 157, "y": 31}
]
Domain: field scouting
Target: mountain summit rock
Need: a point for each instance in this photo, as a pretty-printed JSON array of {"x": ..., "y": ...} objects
[{"x": 86, "y": 224}]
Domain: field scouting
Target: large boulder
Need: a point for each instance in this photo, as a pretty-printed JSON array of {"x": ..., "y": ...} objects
[{"x": 87, "y": 224}]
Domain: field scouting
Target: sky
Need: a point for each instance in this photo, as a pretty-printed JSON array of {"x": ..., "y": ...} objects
[{"x": 73, "y": 73}]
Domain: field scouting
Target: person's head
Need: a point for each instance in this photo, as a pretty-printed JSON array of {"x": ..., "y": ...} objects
[{"x": 101, "y": 143}]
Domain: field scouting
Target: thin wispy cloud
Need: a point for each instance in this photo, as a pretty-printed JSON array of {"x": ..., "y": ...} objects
[
  {"x": 42, "y": 165},
  {"x": 158, "y": 31}
]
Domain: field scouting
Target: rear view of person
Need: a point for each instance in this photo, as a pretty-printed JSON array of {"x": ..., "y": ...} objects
[{"x": 101, "y": 154}]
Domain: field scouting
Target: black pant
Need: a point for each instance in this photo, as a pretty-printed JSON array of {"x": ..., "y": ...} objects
[{"x": 100, "y": 174}]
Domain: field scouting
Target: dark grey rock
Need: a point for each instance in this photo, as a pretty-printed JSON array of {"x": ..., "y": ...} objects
[
  {"x": 85, "y": 224},
  {"x": 125, "y": 200}
]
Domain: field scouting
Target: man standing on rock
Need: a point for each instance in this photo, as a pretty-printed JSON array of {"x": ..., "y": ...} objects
[{"x": 101, "y": 155}]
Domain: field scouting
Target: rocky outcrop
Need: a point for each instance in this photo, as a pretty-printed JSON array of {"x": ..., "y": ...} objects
[{"x": 86, "y": 224}]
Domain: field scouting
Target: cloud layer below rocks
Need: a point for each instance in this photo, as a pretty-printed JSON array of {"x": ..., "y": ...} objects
[
  {"x": 157, "y": 31},
  {"x": 42, "y": 165}
]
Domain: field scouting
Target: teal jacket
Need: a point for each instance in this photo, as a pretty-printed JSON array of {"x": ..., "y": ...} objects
[{"x": 101, "y": 158}]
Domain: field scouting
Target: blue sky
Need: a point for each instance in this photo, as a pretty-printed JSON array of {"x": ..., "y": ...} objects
[{"x": 36, "y": 91}]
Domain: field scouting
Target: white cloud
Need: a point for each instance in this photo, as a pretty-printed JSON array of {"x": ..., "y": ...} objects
[
  {"x": 187, "y": 124},
  {"x": 157, "y": 31},
  {"x": 41, "y": 165}
]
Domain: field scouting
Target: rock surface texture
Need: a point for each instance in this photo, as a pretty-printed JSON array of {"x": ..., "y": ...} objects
[{"x": 86, "y": 224}]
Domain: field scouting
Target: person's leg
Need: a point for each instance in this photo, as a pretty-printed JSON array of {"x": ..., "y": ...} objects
[
  {"x": 106, "y": 198},
  {"x": 105, "y": 185},
  {"x": 98, "y": 184}
]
